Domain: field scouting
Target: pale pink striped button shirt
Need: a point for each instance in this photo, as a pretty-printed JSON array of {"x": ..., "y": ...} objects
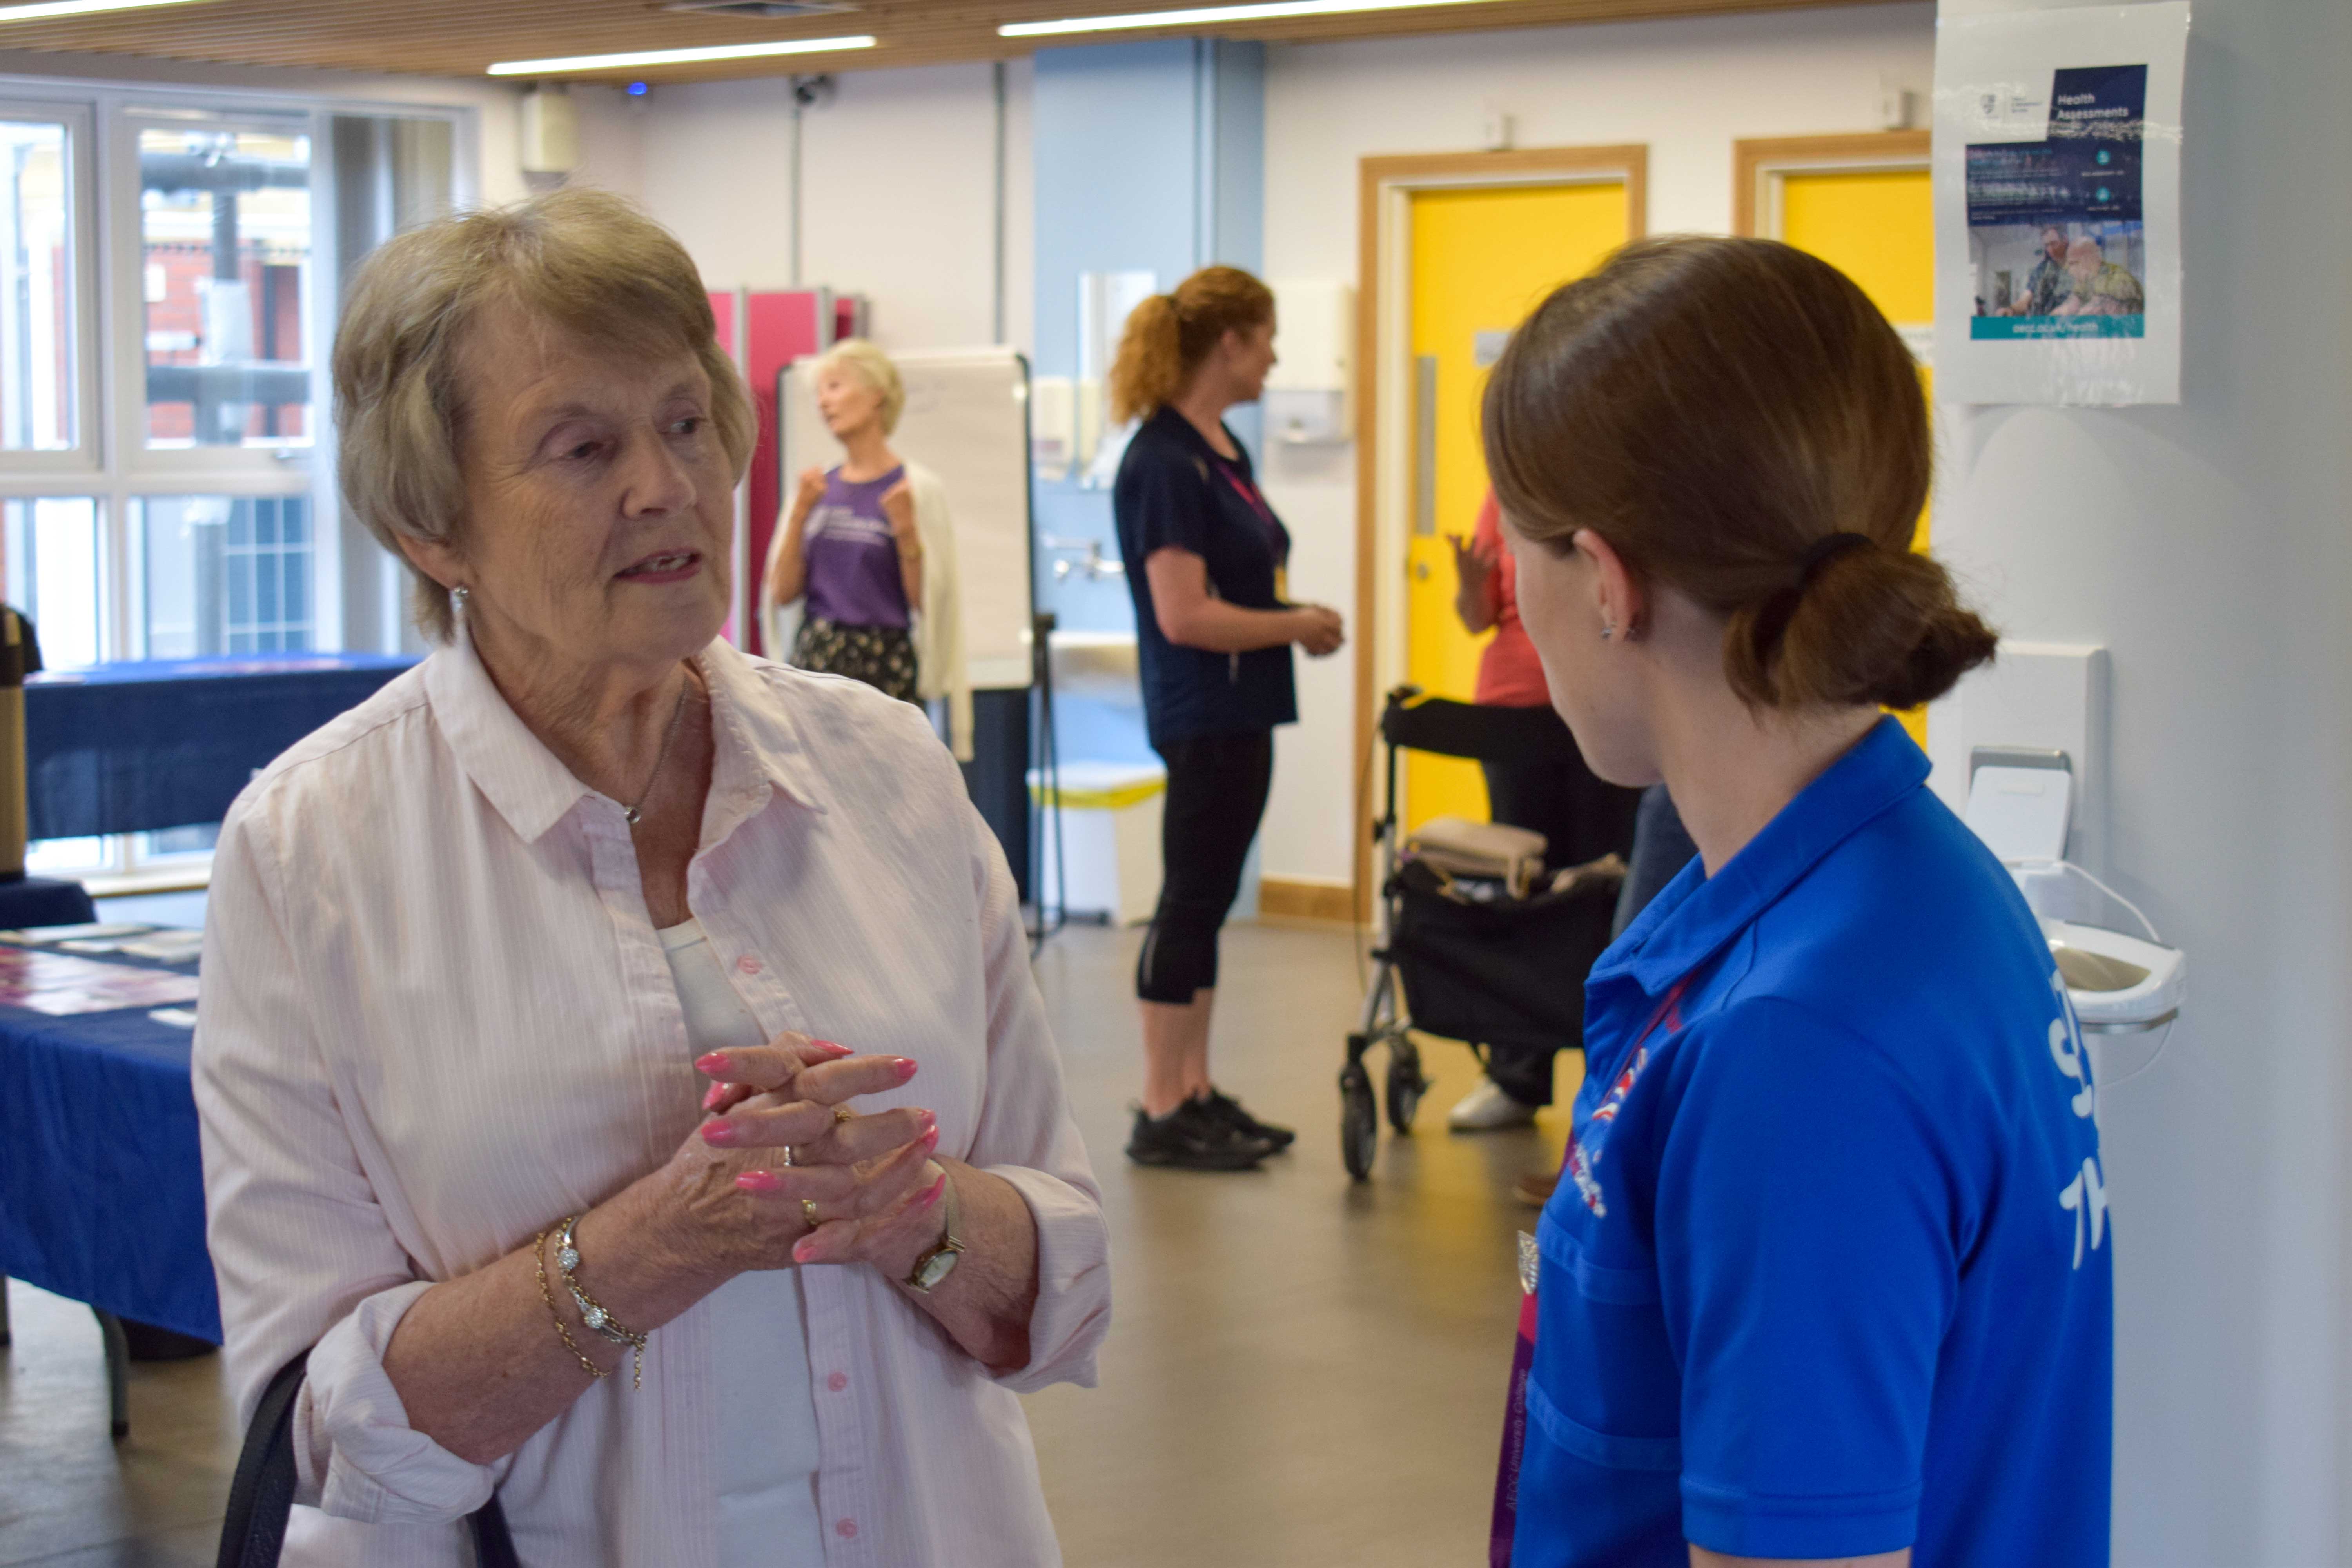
[{"x": 436, "y": 1018}]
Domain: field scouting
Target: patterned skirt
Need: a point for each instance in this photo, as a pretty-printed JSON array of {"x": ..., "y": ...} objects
[{"x": 882, "y": 657}]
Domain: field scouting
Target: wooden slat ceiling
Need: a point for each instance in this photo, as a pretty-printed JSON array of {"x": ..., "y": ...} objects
[{"x": 461, "y": 38}]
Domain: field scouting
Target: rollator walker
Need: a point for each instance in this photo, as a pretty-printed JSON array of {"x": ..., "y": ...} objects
[{"x": 1459, "y": 957}]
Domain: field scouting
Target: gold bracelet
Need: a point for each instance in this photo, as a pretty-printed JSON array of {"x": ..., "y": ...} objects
[
  {"x": 592, "y": 1311},
  {"x": 539, "y": 1257}
]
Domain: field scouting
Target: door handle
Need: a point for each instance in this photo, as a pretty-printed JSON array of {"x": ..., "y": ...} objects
[{"x": 1421, "y": 571}]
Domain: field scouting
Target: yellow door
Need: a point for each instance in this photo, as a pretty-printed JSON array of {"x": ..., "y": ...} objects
[
  {"x": 1481, "y": 260},
  {"x": 1878, "y": 228}
]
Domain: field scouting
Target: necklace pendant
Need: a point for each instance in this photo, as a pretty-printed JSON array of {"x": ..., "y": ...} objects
[{"x": 630, "y": 813}]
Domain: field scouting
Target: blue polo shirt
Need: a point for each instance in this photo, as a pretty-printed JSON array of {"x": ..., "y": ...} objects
[{"x": 1829, "y": 1271}]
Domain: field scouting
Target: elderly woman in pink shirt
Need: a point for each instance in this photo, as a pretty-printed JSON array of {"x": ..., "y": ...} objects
[{"x": 521, "y": 1108}]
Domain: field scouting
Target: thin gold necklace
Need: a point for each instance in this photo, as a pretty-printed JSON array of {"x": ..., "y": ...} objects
[{"x": 676, "y": 714}]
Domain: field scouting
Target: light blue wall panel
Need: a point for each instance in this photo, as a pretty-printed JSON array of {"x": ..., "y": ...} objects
[{"x": 1149, "y": 156}]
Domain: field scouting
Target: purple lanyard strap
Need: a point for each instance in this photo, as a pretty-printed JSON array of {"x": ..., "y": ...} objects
[{"x": 1505, "y": 1524}]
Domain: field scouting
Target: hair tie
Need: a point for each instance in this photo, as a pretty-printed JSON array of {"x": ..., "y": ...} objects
[{"x": 1823, "y": 551}]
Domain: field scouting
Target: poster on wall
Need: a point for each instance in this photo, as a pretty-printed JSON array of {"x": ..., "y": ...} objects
[{"x": 2057, "y": 189}]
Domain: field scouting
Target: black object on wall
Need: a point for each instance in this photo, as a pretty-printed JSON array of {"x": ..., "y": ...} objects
[{"x": 997, "y": 774}]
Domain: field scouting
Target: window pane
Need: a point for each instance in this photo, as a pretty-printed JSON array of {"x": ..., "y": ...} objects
[
  {"x": 55, "y": 572},
  {"x": 225, "y": 574},
  {"x": 73, "y": 858},
  {"x": 36, "y": 318},
  {"x": 226, "y": 219}
]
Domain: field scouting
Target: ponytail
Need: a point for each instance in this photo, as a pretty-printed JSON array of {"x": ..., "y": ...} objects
[
  {"x": 1149, "y": 369},
  {"x": 1169, "y": 336}
]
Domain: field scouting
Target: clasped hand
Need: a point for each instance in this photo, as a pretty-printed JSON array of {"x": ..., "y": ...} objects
[{"x": 781, "y": 1146}]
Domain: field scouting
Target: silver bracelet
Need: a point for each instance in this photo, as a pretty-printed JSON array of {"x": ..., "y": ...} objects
[{"x": 599, "y": 1320}]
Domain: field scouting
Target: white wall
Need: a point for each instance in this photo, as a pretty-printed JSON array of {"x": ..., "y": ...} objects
[
  {"x": 898, "y": 192},
  {"x": 1687, "y": 87},
  {"x": 2206, "y": 546}
]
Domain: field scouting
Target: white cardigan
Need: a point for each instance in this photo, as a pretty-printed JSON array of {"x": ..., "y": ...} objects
[{"x": 940, "y": 673}]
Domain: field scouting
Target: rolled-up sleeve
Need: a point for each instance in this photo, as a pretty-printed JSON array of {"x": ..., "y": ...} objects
[
  {"x": 301, "y": 1248},
  {"x": 1027, "y": 1137}
]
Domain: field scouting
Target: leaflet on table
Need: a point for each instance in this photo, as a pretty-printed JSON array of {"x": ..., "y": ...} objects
[
  {"x": 61, "y": 986},
  {"x": 2057, "y": 188}
]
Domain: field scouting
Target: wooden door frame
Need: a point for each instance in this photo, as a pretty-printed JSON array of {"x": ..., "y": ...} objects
[
  {"x": 1386, "y": 186},
  {"x": 1758, "y": 162}
]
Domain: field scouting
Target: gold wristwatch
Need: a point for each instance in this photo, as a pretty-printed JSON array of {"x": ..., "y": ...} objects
[{"x": 932, "y": 1268}]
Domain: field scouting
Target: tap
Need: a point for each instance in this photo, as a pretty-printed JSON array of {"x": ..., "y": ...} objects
[{"x": 1081, "y": 557}]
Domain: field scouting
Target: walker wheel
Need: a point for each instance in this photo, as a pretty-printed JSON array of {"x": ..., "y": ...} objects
[
  {"x": 1406, "y": 1085},
  {"x": 1360, "y": 1121}
]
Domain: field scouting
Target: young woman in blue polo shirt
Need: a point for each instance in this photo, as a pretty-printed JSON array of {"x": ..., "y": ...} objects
[
  {"x": 1213, "y": 628},
  {"x": 1827, "y": 1274}
]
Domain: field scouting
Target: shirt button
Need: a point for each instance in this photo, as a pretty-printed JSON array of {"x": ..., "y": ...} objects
[
  {"x": 846, "y": 1528},
  {"x": 748, "y": 964},
  {"x": 838, "y": 1382}
]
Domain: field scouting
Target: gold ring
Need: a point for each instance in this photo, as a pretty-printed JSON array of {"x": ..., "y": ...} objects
[
  {"x": 840, "y": 1115},
  {"x": 808, "y": 1212}
]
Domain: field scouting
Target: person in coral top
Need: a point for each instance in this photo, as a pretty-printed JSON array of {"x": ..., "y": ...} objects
[{"x": 1546, "y": 788}]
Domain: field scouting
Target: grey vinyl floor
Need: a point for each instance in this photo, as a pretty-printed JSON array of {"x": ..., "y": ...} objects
[{"x": 1302, "y": 1372}]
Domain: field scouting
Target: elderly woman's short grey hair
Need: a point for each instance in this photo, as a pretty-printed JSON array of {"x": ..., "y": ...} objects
[
  {"x": 869, "y": 364},
  {"x": 586, "y": 262}
]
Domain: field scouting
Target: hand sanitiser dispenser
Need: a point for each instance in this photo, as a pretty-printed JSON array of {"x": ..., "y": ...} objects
[{"x": 2021, "y": 802}]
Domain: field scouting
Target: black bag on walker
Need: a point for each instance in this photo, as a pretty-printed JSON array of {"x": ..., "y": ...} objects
[{"x": 1496, "y": 971}]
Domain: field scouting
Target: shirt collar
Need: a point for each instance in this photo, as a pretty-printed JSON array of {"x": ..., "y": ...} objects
[
  {"x": 1697, "y": 915},
  {"x": 756, "y": 742}
]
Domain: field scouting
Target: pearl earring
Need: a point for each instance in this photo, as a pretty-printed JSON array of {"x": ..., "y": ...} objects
[
  {"x": 463, "y": 594},
  {"x": 1608, "y": 630}
]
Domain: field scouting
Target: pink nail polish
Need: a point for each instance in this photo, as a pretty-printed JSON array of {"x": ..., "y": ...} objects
[
  {"x": 929, "y": 1139},
  {"x": 718, "y": 1091},
  {"x": 801, "y": 1249},
  {"x": 939, "y": 1190},
  {"x": 833, "y": 1048},
  {"x": 929, "y": 1121},
  {"x": 905, "y": 1067},
  {"x": 714, "y": 1063},
  {"x": 718, "y": 1134},
  {"x": 758, "y": 1181}
]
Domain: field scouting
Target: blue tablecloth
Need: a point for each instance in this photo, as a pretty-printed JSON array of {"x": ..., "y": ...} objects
[
  {"x": 101, "y": 1183},
  {"x": 137, "y": 747}
]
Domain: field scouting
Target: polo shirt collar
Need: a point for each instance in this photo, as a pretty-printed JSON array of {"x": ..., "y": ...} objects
[
  {"x": 1697, "y": 915},
  {"x": 528, "y": 786}
]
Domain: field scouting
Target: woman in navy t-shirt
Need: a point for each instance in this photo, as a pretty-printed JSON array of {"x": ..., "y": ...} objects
[
  {"x": 1204, "y": 557},
  {"x": 1827, "y": 1274}
]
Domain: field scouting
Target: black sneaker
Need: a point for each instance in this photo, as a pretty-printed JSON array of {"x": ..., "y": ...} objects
[
  {"x": 1194, "y": 1137},
  {"x": 1228, "y": 1109}
]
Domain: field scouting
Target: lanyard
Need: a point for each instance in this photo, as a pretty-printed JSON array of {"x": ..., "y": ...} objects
[{"x": 1506, "y": 1524}]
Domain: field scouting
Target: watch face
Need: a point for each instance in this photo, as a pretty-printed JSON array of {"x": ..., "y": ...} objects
[{"x": 936, "y": 1268}]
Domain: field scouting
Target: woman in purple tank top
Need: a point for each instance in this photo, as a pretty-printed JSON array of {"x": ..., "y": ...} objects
[{"x": 849, "y": 543}]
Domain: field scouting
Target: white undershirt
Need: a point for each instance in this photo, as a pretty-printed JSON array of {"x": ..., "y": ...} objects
[{"x": 767, "y": 1453}]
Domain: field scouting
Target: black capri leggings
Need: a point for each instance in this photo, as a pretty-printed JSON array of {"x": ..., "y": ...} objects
[{"x": 1216, "y": 794}]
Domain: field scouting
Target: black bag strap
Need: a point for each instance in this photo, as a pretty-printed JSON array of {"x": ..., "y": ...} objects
[{"x": 261, "y": 1497}]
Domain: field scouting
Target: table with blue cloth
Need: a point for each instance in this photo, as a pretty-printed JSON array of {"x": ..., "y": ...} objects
[
  {"x": 102, "y": 1182},
  {"x": 138, "y": 747}
]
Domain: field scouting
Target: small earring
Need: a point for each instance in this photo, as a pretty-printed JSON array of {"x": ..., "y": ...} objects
[
  {"x": 1608, "y": 630},
  {"x": 463, "y": 594}
]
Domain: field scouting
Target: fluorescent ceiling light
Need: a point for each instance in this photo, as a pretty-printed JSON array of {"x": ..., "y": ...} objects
[
  {"x": 677, "y": 56},
  {"x": 47, "y": 8},
  {"x": 1271, "y": 10}
]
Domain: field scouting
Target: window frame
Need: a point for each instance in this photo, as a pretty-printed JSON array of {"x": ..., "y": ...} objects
[{"x": 111, "y": 462}]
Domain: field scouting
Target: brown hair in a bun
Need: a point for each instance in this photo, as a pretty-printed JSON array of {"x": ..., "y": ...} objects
[{"x": 1739, "y": 420}]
